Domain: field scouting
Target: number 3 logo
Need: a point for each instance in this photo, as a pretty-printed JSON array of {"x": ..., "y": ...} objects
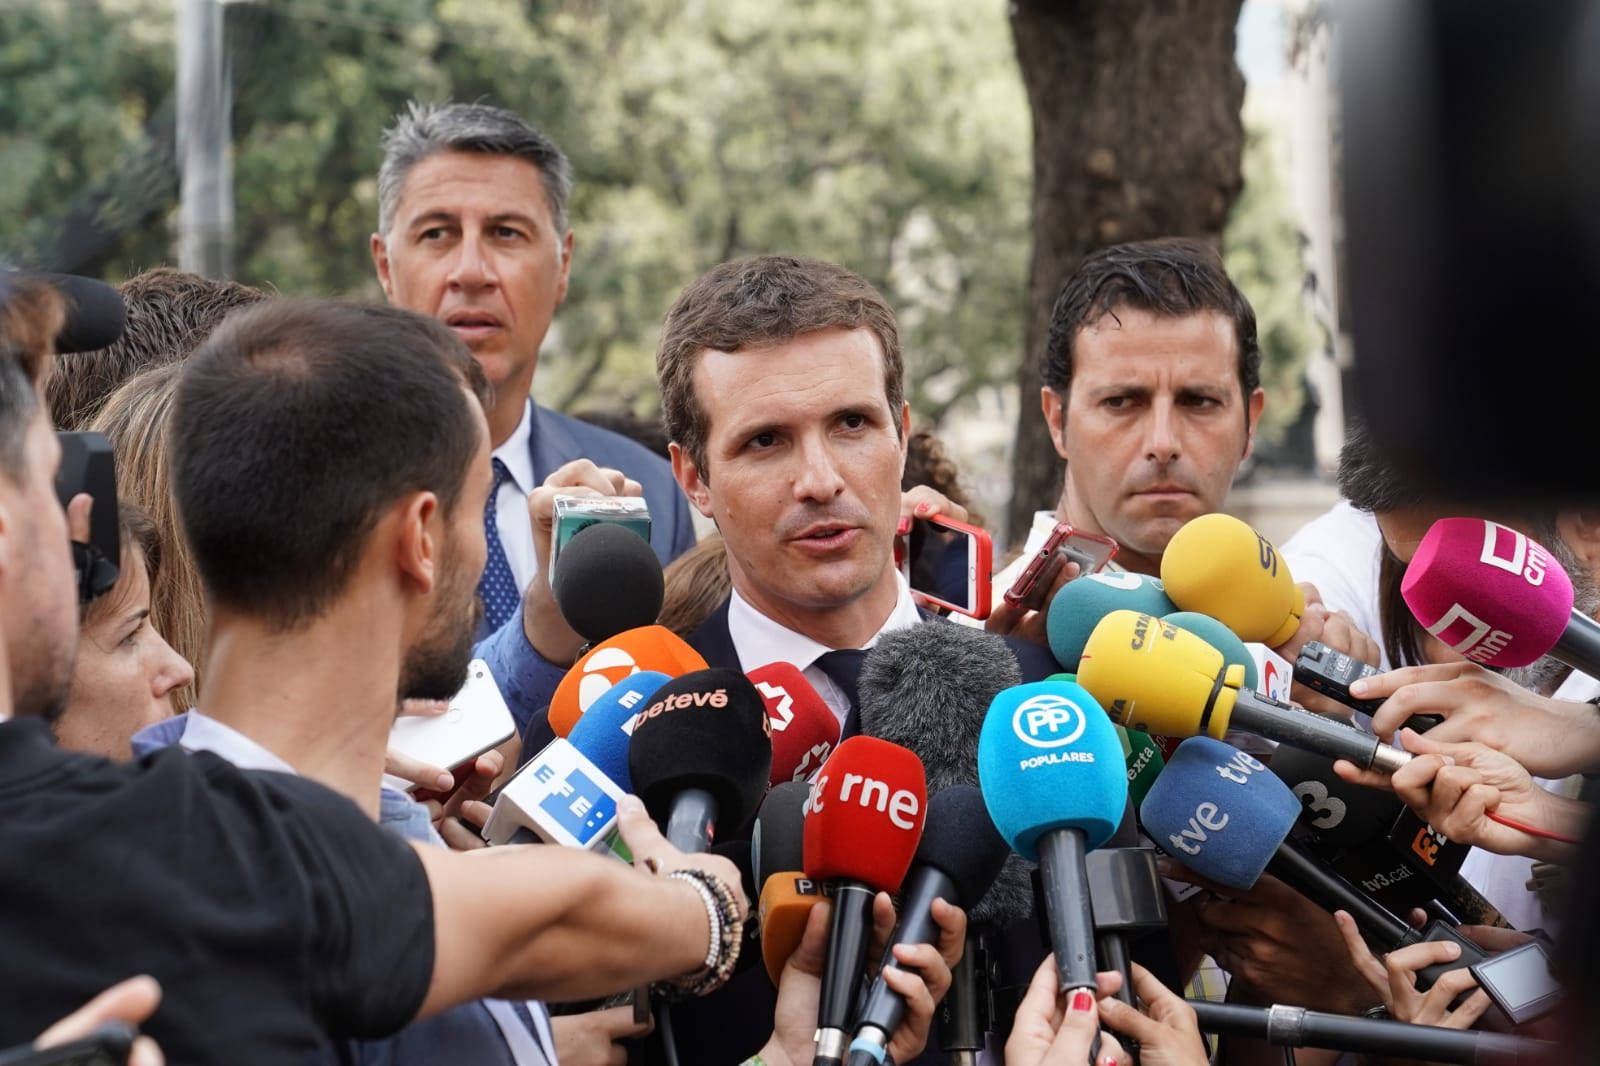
[{"x": 1329, "y": 810}]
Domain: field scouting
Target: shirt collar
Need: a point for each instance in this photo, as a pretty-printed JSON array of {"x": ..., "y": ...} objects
[
  {"x": 207, "y": 734},
  {"x": 515, "y": 453},
  {"x": 760, "y": 640}
]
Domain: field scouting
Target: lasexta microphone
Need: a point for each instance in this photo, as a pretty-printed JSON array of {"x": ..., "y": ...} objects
[
  {"x": 647, "y": 648},
  {"x": 700, "y": 756},
  {"x": 1079, "y": 606},
  {"x": 959, "y": 857},
  {"x": 863, "y": 823},
  {"x": 605, "y": 731},
  {"x": 1054, "y": 782},
  {"x": 1219, "y": 566},
  {"x": 804, "y": 729},
  {"x": 1155, "y": 677},
  {"x": 609, "y": 581},
  {"x": 1497, "y": 597}
]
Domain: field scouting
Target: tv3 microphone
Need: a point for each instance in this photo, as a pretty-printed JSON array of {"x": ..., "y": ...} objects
[
  {"x": 863, "y": 822},
  {"x": 1497, "y": 597},
  {"x": 1158, "y": 678}
]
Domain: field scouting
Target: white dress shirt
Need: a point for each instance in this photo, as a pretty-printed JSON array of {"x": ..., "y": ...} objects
[
  {"x": 759, "y": 640},
  {"x": 511, "y": 503}
]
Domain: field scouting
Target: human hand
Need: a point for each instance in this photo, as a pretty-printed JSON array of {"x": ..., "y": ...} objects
[
  {"x": 920, "y": 501},
  {"x": 651, "y": 851},
  {"x": 132, "y": 1001},
  {"x": 1164, "y": 1025},
  {"x": 594, "y": 1038},
  {"x": 1052, "y": 1028},
  {"x": 1015, "y": 620},
  {"x": 1394, "y": 978}
]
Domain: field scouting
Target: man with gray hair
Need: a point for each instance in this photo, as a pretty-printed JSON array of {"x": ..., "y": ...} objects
[{"x": 472, "y": 229}]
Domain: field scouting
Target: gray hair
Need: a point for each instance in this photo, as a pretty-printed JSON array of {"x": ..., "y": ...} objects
[{"x": 424, "y": 130}]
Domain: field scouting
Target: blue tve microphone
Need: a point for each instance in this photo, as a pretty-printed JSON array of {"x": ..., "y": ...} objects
[
  {"x": 1081, "y": 603},
  {"x": 1054, "y": 781},
  {"x": 606, "y": 728}
]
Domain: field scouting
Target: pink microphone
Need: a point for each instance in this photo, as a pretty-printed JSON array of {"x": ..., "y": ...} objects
[
  {"x": 804, "y": 730},
  {"x": 1497, "y": 597}
]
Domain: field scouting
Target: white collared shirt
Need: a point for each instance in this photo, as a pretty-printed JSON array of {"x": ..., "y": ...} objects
[
  {"x": 511, "y": 503},
  {"x": 759, "y": 640}
]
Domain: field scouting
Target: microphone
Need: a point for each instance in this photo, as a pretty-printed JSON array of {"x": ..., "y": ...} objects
[
  {"x": 777, "y": 856},
  {"x": 804, "y": 730},
  {"x": 1218, "y": 565},
  {"x": 1297, "y": 1027},
  {"x": 609, "y": 581},
  {"x": 956, "y": 862},
  {"x": 863, "y": 822},
  {"x": 95, "y": 312},
  {"x": 927, "y": 688},
  {"x": 1158, "y": 678},
  {"x": 559, "y": 797},
  {"x": 1055, "y": 783},
  {"x": 1222, "y": 814},
  {"x": 1220, "y": 637},
  {"x": 646, "y": 648},
  {"x": 1082, "y": 603},
  {"x": 605, "y": 731},
  {"x": 1497, "y": 597},
  {"x": 701, "y": 755}
]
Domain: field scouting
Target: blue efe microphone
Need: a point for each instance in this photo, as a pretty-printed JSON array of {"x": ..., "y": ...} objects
[
  {"x": 1081, "y": 603},
  {"x": 1053, "y": 779},
  {"x": 606, "y": 727}
]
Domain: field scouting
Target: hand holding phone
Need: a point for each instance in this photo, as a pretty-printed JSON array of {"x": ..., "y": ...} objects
[
  {"x": 948, "y": 564},
  {"x": 1090, "y": 551}
]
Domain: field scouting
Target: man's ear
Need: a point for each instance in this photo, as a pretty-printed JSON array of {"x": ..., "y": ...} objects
[
  {"x": 1580, "y": 531},
  {"x": 567, "y": 243},
  {"x": 1252, "y": 419},
  {"x": 417, "y": 541},
  {"x": 1055, "y": 416},
  {"x": 380, "y": 263},
  {"x": 687, "y": 473}
]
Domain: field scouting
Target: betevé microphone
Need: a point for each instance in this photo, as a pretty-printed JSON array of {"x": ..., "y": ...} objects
[
  {"x": 700, "y": 756},
  {"x": 1497, "y": 597},
  {"x": 602, "y": 666},
  {"x": 863, "y": 823},
  {"x": 1219, "y": 566},
  {"x": 804, "y": 729},
  {"x": 960, "y": 855},
  {"x": 609, "y": 581},
  {"x": 1080, "y": 605},
  {"x": 1156, "y": 677}
]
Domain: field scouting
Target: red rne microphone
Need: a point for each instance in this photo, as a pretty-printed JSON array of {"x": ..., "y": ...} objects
[
  {"x": 862, "y": 827},
  {"x": 1497, "y": 597},
  {"x": 804, "y": 729}
]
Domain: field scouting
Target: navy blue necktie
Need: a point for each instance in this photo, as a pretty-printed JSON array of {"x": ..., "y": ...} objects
[{"x": 498, "y": 586}]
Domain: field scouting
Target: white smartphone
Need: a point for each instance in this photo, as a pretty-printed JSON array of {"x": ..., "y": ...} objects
[{"x": 477, "y": 720}]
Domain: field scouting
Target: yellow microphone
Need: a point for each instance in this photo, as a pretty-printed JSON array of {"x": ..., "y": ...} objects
[
  {"x": 1220, "y": 566},
  {"x": 1150, "y": 675}
]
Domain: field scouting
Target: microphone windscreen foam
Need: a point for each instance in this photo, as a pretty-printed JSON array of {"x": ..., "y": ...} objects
[
  {"x": 705, "y": 730},
  {"x": 1048, "y": 758},
  {"x": 1080, "y": 605},
  {"x": 95, "y": 313},
  {"x": 1155, "y": 677},
  {"x": 962, "y": 842},
  {"x": 609, "y": 581},
  {"x": 865, "y": 814},
  {"x": 1220, "y": 566},
  {"x": 1219, "y": 812},
  {"x": 646, "y": 648},
  {"x": 804, "y": 729},
  {"x": 1219, "y": 636},
  {"x": 778, "y": 843},
  {"x": 605, "y": 731},
  {"x": 1492, "y": 594}
]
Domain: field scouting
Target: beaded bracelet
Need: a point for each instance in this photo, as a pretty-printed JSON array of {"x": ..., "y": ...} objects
[{"x": 727, "y": 933}]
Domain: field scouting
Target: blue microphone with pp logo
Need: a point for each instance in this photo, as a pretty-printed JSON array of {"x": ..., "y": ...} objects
[{"x": 1053, "y": 778}]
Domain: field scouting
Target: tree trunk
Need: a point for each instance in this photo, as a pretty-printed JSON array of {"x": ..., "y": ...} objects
[{"x": 1136, "y": 134}]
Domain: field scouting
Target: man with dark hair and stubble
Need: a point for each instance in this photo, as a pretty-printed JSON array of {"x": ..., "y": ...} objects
[{"x": 341, "y": 552}]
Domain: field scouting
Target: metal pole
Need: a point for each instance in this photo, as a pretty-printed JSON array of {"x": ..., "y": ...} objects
[{"x": 205, "y": 104}]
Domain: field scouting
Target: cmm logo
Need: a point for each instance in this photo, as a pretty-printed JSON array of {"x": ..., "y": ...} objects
[
  {"x": 1480, "y": 642},
  {"x": 1522, "y": 556},
  {"x": 1048, "y": 720}
]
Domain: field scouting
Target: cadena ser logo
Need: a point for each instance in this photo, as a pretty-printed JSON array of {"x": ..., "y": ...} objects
[
  {"x": 1506, "y": 549},
  {"x": 1048, "y": 720}
]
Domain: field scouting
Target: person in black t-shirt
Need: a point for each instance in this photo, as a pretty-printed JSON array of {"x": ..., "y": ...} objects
[{"x": 275, "y": 915}]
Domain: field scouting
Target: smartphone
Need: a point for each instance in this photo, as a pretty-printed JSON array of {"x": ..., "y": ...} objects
[
  {"x": 109, "y": 1045},
  {"x": 1519, "y": 981},
  {"x": 1090, "y": 551},
  {"x": 948, "y": 564},
  {"x": 477, "y": 720},
  {"x": 89, "y": 466}
]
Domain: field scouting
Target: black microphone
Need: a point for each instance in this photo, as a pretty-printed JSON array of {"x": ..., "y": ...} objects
[
  {"x": 957, "y": 861},
  {"x": 609, "y": 581},
  {"x": 701, "y": 754},
  {"x": 1126, "y": 897},
  {"x": 1298, "y": 1027}
]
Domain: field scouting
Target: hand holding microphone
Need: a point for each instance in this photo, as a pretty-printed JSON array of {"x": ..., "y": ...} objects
[
  {"x": 1394, "y": 980},
  {"x": 1058, "y": 1030}
]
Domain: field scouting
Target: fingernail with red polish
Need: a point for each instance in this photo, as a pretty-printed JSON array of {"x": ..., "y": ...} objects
[
  {"x": 904, "y": 526},
  {"x": 1082, "y": 1000},
  {"x": 922, "y": 508}
]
